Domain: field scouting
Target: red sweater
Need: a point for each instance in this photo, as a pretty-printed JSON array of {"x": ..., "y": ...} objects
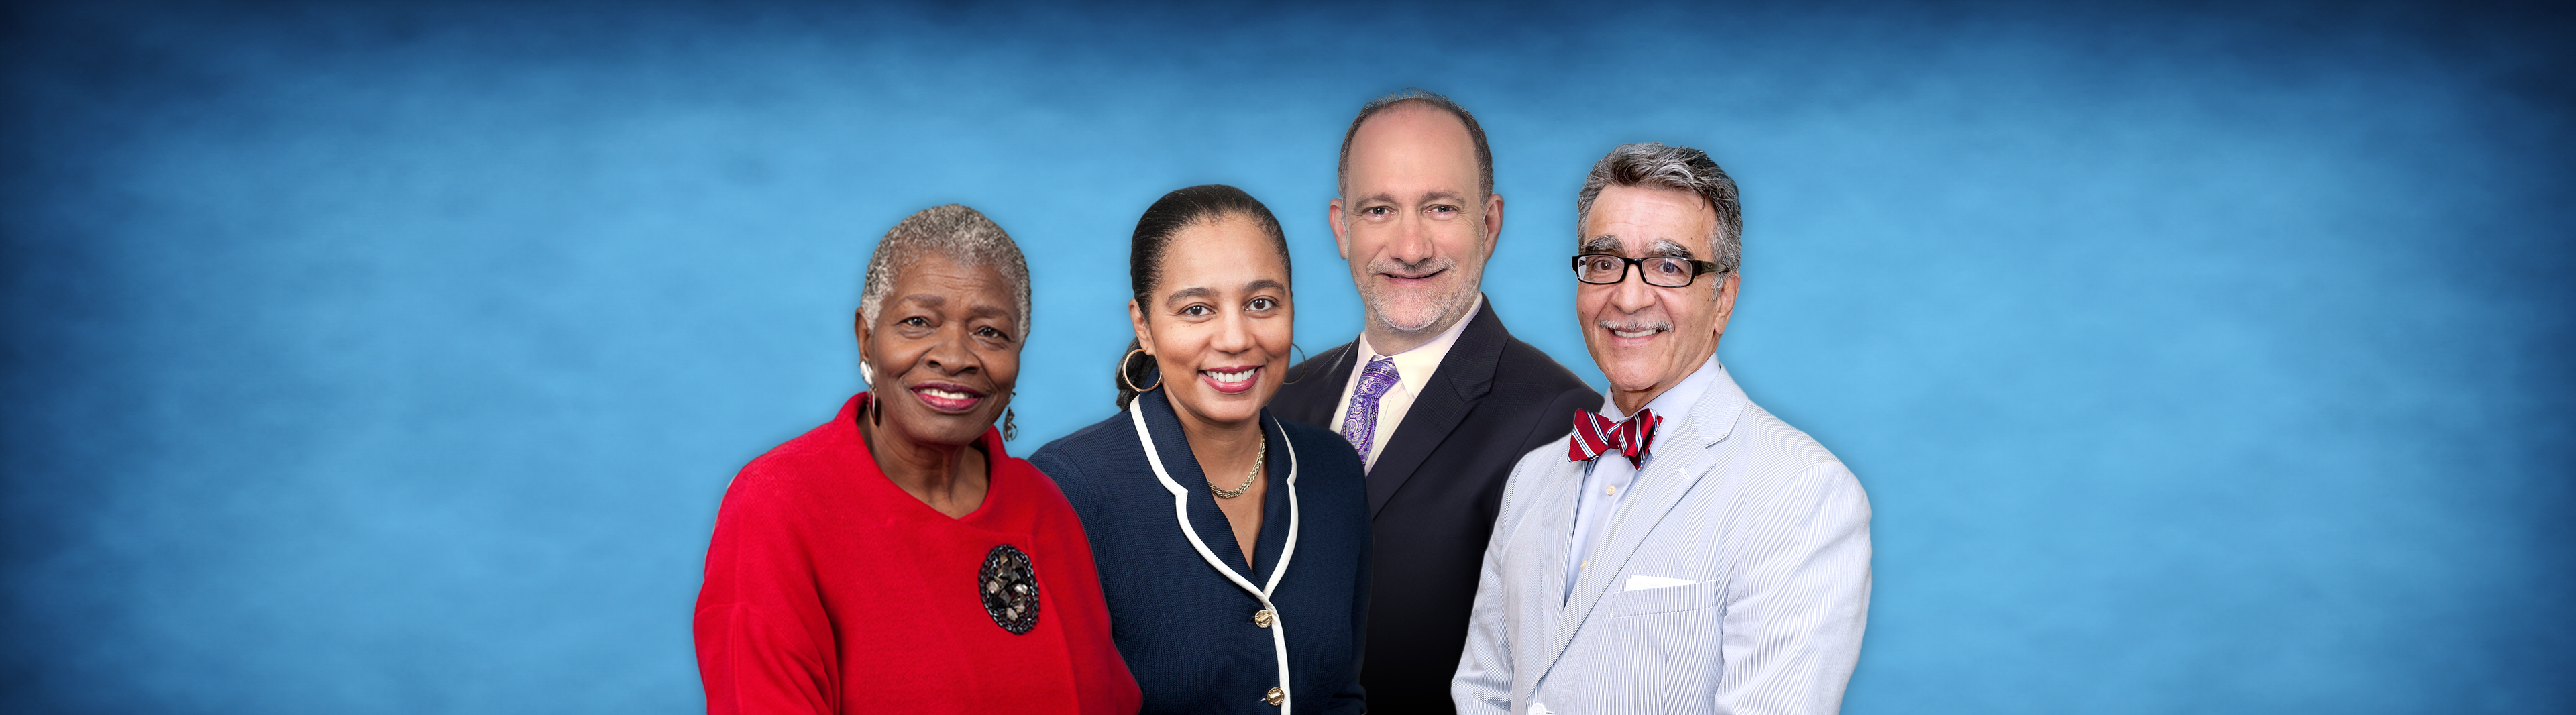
[{"x": 831, "y": 590}]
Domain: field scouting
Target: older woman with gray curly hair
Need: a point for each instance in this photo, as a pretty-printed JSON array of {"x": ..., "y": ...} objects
[{"x": 896, "y": 559}]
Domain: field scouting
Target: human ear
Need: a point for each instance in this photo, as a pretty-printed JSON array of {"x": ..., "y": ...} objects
[
  {"x": 1725, "y": 298},
  {"x": 1493, "y": 223},
  {"x": 1341, "y": 227},
  {"x": 859, "y": 329},
  {"x": 1144, "y": 330}
]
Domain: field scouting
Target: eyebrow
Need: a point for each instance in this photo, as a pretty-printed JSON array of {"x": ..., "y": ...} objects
[
  {"x": 1609, "y": 243},
  {"x": 1202, "y": 292},
  {"x": 973, "y": 310},
  {"x": 1442, "y": 196}
]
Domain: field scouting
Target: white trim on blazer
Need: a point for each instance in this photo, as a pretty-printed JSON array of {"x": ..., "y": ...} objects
[{"x": 1181, "y": 510}]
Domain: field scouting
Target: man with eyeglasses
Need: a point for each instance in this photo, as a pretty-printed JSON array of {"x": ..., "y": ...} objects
[{"x": 1683, "y": 550}]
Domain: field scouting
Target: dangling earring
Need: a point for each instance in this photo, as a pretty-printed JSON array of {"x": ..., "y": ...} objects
[
  {"x": 876, "y": 408},
  {"x": 1009, "y": 431},
  {"x": 1130, "y": 382},
  {"x": 1301, "y": 374}
]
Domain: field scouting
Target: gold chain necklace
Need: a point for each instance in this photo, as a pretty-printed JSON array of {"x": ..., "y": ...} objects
[{"x": 1257, "y": 459}]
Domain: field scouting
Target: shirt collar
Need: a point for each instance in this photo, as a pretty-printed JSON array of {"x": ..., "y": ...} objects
[
  {"x": 1675, "y": 403},
  {"x": 1413, "y": 367}
]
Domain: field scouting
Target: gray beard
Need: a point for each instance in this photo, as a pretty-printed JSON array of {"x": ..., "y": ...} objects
[{"x": 1448, "y": 309}]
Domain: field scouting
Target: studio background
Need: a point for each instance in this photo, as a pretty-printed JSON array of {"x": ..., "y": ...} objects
[{"x": 388, "y": 359}]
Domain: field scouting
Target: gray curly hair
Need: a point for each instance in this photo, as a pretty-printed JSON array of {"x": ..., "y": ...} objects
[
  {"x": 961, "y": 234},
  {"x": 1653, "y": 165}
]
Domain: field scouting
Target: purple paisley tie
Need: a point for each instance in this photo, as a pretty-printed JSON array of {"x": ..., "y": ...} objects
[{"x": 1359, "y": 424}]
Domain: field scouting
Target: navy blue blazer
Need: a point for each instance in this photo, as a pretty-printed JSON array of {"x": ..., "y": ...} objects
[{"x": 1187, "y": 631}]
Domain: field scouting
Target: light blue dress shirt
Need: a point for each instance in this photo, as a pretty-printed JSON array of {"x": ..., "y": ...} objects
[{"x": 1607, "y": 480}]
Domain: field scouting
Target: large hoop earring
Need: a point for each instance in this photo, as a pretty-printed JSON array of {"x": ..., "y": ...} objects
[
  {"x": 1301, "y": 374},
  {"x": 1131, "y": 383}
]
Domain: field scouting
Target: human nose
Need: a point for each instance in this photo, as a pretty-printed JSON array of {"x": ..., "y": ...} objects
[
  {"x": 1631, "y": 293},
  {"x": 949, "y": 352},
  {"x": 1233, "y": 333},
  {"x": 1412, "y": 239}
]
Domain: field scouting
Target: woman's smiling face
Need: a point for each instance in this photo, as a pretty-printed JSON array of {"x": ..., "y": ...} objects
[
  {"x": 1220, "y": 321},
  {"x": 945, "y": 347}
]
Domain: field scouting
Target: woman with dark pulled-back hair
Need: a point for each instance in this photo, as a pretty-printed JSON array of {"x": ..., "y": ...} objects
[{"x": 1233, "y": 546}]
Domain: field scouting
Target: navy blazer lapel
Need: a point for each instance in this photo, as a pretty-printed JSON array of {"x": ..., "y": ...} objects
[
  {"x": 1174, "y": 447},
  {"x": 1658, "y": 491},
  {"x": 1272, "y": 542},
  {"x": 1464, "y": 376}
]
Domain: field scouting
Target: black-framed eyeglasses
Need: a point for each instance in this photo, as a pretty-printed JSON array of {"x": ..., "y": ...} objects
[{"x": 1664, "y": 271}]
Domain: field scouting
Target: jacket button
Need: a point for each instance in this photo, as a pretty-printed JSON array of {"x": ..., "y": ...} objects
[
  {"x": 1263, "y": 619},
  {"x": 1274, "y": 697}
]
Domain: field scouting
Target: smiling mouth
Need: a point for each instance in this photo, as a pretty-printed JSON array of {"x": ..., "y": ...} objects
[
  {"x": 1231, "y": 381},
  {"x": 948, "y": 398},
  {"x": 1423, "y": 277},
  {"x": 1633, "y": 331}
]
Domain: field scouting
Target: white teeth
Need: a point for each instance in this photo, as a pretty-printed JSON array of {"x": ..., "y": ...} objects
[
  {"x": 1231, "y": 377},
  {"x": 1638, "y": 334},
  {"x": 944, "y": 394}
]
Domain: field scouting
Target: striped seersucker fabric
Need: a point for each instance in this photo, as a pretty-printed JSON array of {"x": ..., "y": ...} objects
[{"x": 1735, "y": 579}]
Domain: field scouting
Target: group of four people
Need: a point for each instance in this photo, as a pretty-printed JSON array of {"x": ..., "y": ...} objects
[{"x": 1430, "y": 517}]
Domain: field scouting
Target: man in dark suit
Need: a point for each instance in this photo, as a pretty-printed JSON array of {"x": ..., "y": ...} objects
[{"x": 1437, "y": 397}]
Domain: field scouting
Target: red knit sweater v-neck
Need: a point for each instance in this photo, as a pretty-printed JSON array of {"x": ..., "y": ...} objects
[{"x": 830, "y": 590}]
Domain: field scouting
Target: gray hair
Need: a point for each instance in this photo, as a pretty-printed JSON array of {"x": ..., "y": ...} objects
[
  {"x": 1655, "y": 166},
  {"x": 954, "y": 231}
]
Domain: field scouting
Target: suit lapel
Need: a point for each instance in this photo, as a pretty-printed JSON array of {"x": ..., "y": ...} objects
[
  {"x": 1559, "y": 492},
  {"x": 1173, "y": 446},
  {"x": 1464, "y": 376},
  {"x": 1676, "y": 468},
  {"x": 1318, "y": 389}
]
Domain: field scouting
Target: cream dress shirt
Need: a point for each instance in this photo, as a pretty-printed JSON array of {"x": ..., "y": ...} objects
[{"x": 1413, "y": 370}]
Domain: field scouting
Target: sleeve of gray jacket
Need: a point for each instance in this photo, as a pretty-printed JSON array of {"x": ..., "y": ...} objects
[
  {"x": 1483, "y": 683},
  {"x": 1799, "y": 601}
]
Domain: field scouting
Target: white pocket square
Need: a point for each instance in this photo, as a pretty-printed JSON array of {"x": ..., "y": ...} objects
[{"x": 1640, "y": 583}]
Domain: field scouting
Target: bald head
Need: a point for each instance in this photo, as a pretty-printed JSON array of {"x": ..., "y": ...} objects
[{"x": 1469, "y": 140}]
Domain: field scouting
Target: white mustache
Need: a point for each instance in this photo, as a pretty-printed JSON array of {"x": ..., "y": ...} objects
[{"x": 1641, "y": 327}]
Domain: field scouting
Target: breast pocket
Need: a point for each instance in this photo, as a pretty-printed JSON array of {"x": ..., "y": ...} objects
[
  {"x": 1667, "y": 599},
  {"x": 1667, "y": 644}
]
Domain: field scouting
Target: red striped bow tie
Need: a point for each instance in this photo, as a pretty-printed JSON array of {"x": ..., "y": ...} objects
[{"x": 1596, "y": 434}]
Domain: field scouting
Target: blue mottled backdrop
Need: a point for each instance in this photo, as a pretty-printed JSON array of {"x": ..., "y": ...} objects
[{"x": 2206, "y": 358}]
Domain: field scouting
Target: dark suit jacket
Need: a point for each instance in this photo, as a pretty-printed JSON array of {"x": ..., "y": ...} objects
[{"x": 1434, "y": 492}]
